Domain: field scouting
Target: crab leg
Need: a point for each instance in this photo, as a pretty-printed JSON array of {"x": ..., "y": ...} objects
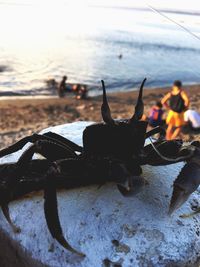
[
  {"x": 6, "y": 213},
  {"x": 47, "y": 149},
  {"x": 186, "y": 183},
  {"x": 156, "y": 130},
  {"x": 51, "y": 211},
  {"x": 51, "y": 137},
  {"x": 12, "y": 183},
  {"x": 64, "y": 141},
  {"x": 34, "y": 138}
]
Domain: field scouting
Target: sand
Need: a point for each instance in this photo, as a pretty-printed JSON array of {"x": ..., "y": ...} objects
[{"x": 21, "y": 116}]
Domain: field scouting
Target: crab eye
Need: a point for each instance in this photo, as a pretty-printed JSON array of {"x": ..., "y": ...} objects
[
  {"x": 105, "y": 110},
  {"x": 139, "y": 108}
]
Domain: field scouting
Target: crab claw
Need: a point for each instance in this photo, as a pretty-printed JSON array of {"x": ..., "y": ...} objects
[{"x": 186, "y": 183}]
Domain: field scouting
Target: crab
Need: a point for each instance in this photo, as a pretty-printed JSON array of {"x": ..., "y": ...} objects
[{"x": 113, "y": 151}]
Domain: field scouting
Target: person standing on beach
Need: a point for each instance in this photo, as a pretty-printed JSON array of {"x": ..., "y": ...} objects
[
  {"x": 177, "y": 102},
  {"x": 62, "y": 86}
]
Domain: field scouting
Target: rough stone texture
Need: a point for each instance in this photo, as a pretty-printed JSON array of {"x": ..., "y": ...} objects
[{"x": 110, "y": 229}]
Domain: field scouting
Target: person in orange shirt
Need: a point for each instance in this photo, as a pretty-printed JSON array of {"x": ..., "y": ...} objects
[{"x": 177, "y": 102}]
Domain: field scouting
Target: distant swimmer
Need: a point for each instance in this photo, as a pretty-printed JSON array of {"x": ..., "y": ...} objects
[{"x": 120, "y": 56}]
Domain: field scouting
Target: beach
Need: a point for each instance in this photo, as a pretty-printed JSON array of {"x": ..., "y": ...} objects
[{"x": 22, "y": 116}]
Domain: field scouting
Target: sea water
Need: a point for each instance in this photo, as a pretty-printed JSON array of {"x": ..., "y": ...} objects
[{"x": 121, "y": 45}]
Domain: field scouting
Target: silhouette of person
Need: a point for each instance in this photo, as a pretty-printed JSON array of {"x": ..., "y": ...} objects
[{"x": 62, "y": 86}]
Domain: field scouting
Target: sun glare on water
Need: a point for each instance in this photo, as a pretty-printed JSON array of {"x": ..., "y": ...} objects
[
  {"x": 82, "y": 38},
  {"x": 38, "y": 23}
]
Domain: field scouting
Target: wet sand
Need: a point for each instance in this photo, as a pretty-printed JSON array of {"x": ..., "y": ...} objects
[{"x": 24, "y": 116}]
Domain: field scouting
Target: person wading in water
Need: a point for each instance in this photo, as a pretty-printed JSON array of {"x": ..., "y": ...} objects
[{"x": 177, "y": 102}]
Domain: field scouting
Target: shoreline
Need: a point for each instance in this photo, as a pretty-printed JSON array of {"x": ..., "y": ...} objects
[
  {"x": 21, "y": 97},
  {"x": 94, "y": 91},
  {"x": 147, "y": 89},
  {"x": 21, "y": 116}
]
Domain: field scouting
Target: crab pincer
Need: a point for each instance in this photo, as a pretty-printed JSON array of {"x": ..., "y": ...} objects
[
  {"x": 187, "y": 181},
  {"x": 51, "y": 211}
]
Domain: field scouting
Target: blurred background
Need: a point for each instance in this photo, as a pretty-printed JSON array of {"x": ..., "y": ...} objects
[{"x": 118, "y": 41}]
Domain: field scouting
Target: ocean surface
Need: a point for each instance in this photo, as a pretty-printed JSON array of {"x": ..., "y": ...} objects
[{"x": 119, "y": 45}]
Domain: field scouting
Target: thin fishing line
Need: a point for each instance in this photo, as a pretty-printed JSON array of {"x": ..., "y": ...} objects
[{"x": 178, "y": 24}]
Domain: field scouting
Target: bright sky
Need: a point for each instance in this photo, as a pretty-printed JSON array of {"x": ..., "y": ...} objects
[
  {"x": 35, "y": 20},
  {"x": 31, "y": 28},
  {"x": 190, "y": 5},
  {"x": 169, "y": 4}
]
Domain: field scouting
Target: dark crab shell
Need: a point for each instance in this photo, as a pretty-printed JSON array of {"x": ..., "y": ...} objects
[{"x": 121, "y": 140}]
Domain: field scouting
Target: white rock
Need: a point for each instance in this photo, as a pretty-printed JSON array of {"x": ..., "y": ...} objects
[{"x": 104, "y": 225}]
